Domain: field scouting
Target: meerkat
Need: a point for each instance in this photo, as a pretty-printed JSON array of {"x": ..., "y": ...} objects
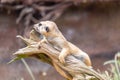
[{"x": 52, "y": 34}]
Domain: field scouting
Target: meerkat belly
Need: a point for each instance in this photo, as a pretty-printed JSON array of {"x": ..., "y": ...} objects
[
  {"x": 56, "y": 43},
  {"x": 73, "y": 49},
  {"x": 76, "y": 51}
]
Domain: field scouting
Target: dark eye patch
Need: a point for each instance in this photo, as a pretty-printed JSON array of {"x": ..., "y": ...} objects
[
  {"x": 47, "y": 29},
  {"x": 39, "y": 24}
]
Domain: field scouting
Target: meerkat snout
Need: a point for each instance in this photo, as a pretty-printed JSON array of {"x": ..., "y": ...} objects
[{"x": 37, "y": 27}]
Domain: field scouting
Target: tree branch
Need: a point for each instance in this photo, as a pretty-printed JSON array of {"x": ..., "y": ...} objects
[{"x": 73, "y": 69}]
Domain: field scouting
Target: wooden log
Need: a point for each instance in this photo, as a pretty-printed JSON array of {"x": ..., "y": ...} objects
[{"x": 73, "y": 69}]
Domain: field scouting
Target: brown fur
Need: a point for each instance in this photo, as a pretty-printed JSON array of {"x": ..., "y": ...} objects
[{"x": 51, "y": 34}]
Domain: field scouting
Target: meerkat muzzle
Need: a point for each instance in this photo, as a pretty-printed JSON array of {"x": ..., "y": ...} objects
[{"x": 35, "y": 27}]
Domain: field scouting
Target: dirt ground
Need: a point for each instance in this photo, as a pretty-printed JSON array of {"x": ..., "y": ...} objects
[{"x": 95, "y": 31}]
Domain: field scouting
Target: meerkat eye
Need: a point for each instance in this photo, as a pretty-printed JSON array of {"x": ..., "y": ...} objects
[
  {"x": 39, "y": 24},
  {"x": 47, "y": 29}
]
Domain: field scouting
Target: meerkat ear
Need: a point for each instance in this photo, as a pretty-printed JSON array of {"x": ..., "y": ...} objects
[{"x": 47, "y": 29}]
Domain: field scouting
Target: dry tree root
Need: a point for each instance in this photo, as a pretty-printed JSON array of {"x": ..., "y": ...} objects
[
  {"x": 35, "y": 10},
  {"x": 73, "y": 69},
  {"x": 32, "y": 11}
]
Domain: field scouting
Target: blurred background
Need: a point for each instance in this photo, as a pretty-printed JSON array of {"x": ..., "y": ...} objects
[{"x": 92, "y": 25}]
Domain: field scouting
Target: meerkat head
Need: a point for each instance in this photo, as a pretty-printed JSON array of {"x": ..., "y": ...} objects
[{"x": 45, "y": 27}]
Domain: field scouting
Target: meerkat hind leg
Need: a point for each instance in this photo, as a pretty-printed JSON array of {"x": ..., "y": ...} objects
[{"x": 63, "y": 54}]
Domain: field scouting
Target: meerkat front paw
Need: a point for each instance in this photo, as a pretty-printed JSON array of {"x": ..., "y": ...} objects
[
  {"x": 62, "y": 58},
  {"x": 63, "y": 55},
  {"x": 44, "y": 40},
  {"x": 38, "y": 45}
]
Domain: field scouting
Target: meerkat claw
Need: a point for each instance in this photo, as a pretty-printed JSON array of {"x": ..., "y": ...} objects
[{"x": 62, "y": 60}]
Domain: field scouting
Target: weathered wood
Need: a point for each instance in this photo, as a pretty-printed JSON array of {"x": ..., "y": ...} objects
[{"x": 73, "y": 69}]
